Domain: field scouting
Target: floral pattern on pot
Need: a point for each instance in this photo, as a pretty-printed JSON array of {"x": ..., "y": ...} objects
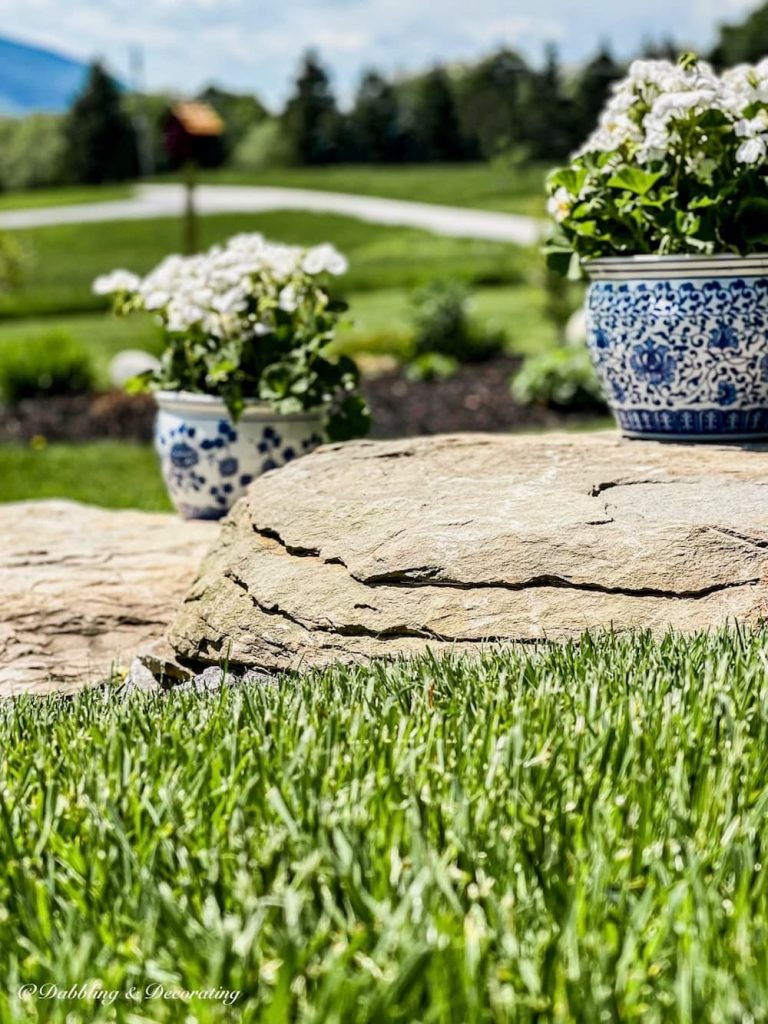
[
  {"x": 683, "y": 358},
  {"x": 208, "y": 462}
]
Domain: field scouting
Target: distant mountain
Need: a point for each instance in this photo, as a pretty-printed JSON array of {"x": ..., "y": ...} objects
[{"x": 32, "y": 78}]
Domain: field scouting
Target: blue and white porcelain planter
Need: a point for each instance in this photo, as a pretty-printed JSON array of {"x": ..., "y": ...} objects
[
  {"x": 680, "y": 344},
  {"x": 208, "y": 461}
]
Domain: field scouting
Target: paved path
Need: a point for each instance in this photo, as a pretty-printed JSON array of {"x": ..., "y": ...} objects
[{"x": 151, "y": 201}]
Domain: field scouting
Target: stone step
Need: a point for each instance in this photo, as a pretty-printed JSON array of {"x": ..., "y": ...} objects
[{"x": 451, "y": 543}]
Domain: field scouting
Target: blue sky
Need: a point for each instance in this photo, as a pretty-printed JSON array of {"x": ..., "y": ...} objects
[{"x": 255, "y": 44}]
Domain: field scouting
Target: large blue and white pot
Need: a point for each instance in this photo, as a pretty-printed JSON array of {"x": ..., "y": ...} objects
[
  {"x": 208, "y": 461},
  {"x": 680, "y": 344}
]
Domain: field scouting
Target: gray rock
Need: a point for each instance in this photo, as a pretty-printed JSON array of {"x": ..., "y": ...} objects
[
  {"x": 451, "y": 543},
  {"x": 140, "y": 678}
]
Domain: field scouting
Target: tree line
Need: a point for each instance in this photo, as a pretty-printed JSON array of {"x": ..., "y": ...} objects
[{"x": 501, "y": 105}]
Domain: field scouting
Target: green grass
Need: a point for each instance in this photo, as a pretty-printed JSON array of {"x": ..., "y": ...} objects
[
  {"x": 491, "y": 186},
  {"x": 65, "y": 196},
  {"x": 63, "y": 260},
  {"x": 570, "y": 834},
  {"x": 109, "y": 473},
  {"x": 494, "y": 186}
]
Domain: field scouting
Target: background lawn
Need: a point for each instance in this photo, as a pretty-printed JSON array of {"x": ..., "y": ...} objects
[
  {"x": 387, "y": 264},
  {"x": 63, "y": 196},
  {"x": 62, "y": 261},
  {"x": 115, "y": 474},
  {"x": 493, "y": 186},
  {"x": 568, "y": 834},
  {"x": 490, "y": 186}
]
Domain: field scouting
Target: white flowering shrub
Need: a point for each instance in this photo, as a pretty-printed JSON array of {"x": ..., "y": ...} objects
[
  {"x": 251, "y": 319},
  {"x": 677, "y": 164}
]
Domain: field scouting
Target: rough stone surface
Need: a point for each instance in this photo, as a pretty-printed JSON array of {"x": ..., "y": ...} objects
[
  {"x": 387, "y": 548},
  {"x": 82, "y": 588}
]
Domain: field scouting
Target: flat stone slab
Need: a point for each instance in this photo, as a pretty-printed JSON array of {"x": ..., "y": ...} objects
[
  {"x": 82, "y": 588},
  {"x": 389, "y": 548}
]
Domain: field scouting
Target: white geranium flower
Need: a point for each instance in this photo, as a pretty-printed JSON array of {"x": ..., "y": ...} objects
[
  {"x": 117, "y": 281},
  {"x": 288, "y": 299},
  {"x": 559, "y": 204},
  {"x": 752, "y": 151},
  {"x": 231, "y": 301},
  {"x": 154, "y": 299},
  {"x": 181, "y": 315},
  {"x": 324, "y": 259},
  {"x": 220, "y": 293},
  {"x": 752, "y": 127}
]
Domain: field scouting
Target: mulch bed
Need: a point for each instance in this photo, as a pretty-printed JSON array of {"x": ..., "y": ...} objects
[{"x": 475, "y": 398}]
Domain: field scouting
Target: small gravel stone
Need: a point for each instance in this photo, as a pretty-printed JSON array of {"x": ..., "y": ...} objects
[{"x": 139, "y": 678}]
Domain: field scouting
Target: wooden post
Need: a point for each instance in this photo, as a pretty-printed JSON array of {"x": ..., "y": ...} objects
[
  {"x": 190, "y": 243},
  {"x": 189, "y": 129}
]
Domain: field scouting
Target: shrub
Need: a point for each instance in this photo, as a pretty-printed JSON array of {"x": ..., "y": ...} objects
[
  {"x": 31, "y": 151},
  {"x": 263, "y": 146},
  {"x": 444, "y": 327},
  {"x": 47, "y": 364},
  {"x": 562, "y": 379}
]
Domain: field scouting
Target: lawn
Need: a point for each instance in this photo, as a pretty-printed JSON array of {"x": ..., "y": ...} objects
[
  {"x": 63, "y": 260},
  {"x": 561, "y": 834},
  {"x": 494, "y": 186},
  {"x": 108, "y": 473},
  {"x": 64, "y": 196},
  {"x": 387, "y": 265}
]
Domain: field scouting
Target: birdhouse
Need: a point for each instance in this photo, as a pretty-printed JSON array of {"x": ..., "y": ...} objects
[{"x": 192, "y": 133}]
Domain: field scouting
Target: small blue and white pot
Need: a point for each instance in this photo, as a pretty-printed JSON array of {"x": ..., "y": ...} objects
[
  {"x": 680, "y": 344},
  {"x": 208, "y": 461}
]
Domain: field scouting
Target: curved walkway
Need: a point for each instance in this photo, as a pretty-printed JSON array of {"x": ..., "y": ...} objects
[{"x": 153, "y": 201}]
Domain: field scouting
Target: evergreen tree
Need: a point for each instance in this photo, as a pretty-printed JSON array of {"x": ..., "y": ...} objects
[
  {"x": 666, "y": 49},
  {"x": 436, "y": 126},
  {"x": 375, "y": 122},
  {"x": 100, "y": 140},
  {"x": 313, "y": 125},
  {"x": 746, "y": 43},
  {"x": 549, "y": 122},
  {"x": 492, "y": 96},
  {"x": 593, "y": 87}
]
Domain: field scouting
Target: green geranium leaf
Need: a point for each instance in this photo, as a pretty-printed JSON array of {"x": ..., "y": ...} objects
[{"x": 633, "y": 179}]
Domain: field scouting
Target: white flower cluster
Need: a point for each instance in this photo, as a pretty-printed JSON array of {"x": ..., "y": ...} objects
[
  {"x": 649, "y": 108},
  {"x": 215, "y": 291}
]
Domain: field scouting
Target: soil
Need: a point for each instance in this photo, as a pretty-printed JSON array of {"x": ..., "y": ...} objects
[{"x": 475, "y": 398}]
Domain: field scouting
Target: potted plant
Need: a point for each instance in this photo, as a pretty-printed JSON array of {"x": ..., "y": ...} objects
[
  {"x": 666, "y": 209},
  {"x": 244, "y": 383}
]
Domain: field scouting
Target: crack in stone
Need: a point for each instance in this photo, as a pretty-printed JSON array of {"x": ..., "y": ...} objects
[
  {"x": 401, "y": 579},
  {"x": 428, "y": 575},
  {"x": 291, "y": 549},
  {"x": 756, "y": 542},
  {"x": 597, "y": 489},
  {"x": 400, "y": 632}
]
